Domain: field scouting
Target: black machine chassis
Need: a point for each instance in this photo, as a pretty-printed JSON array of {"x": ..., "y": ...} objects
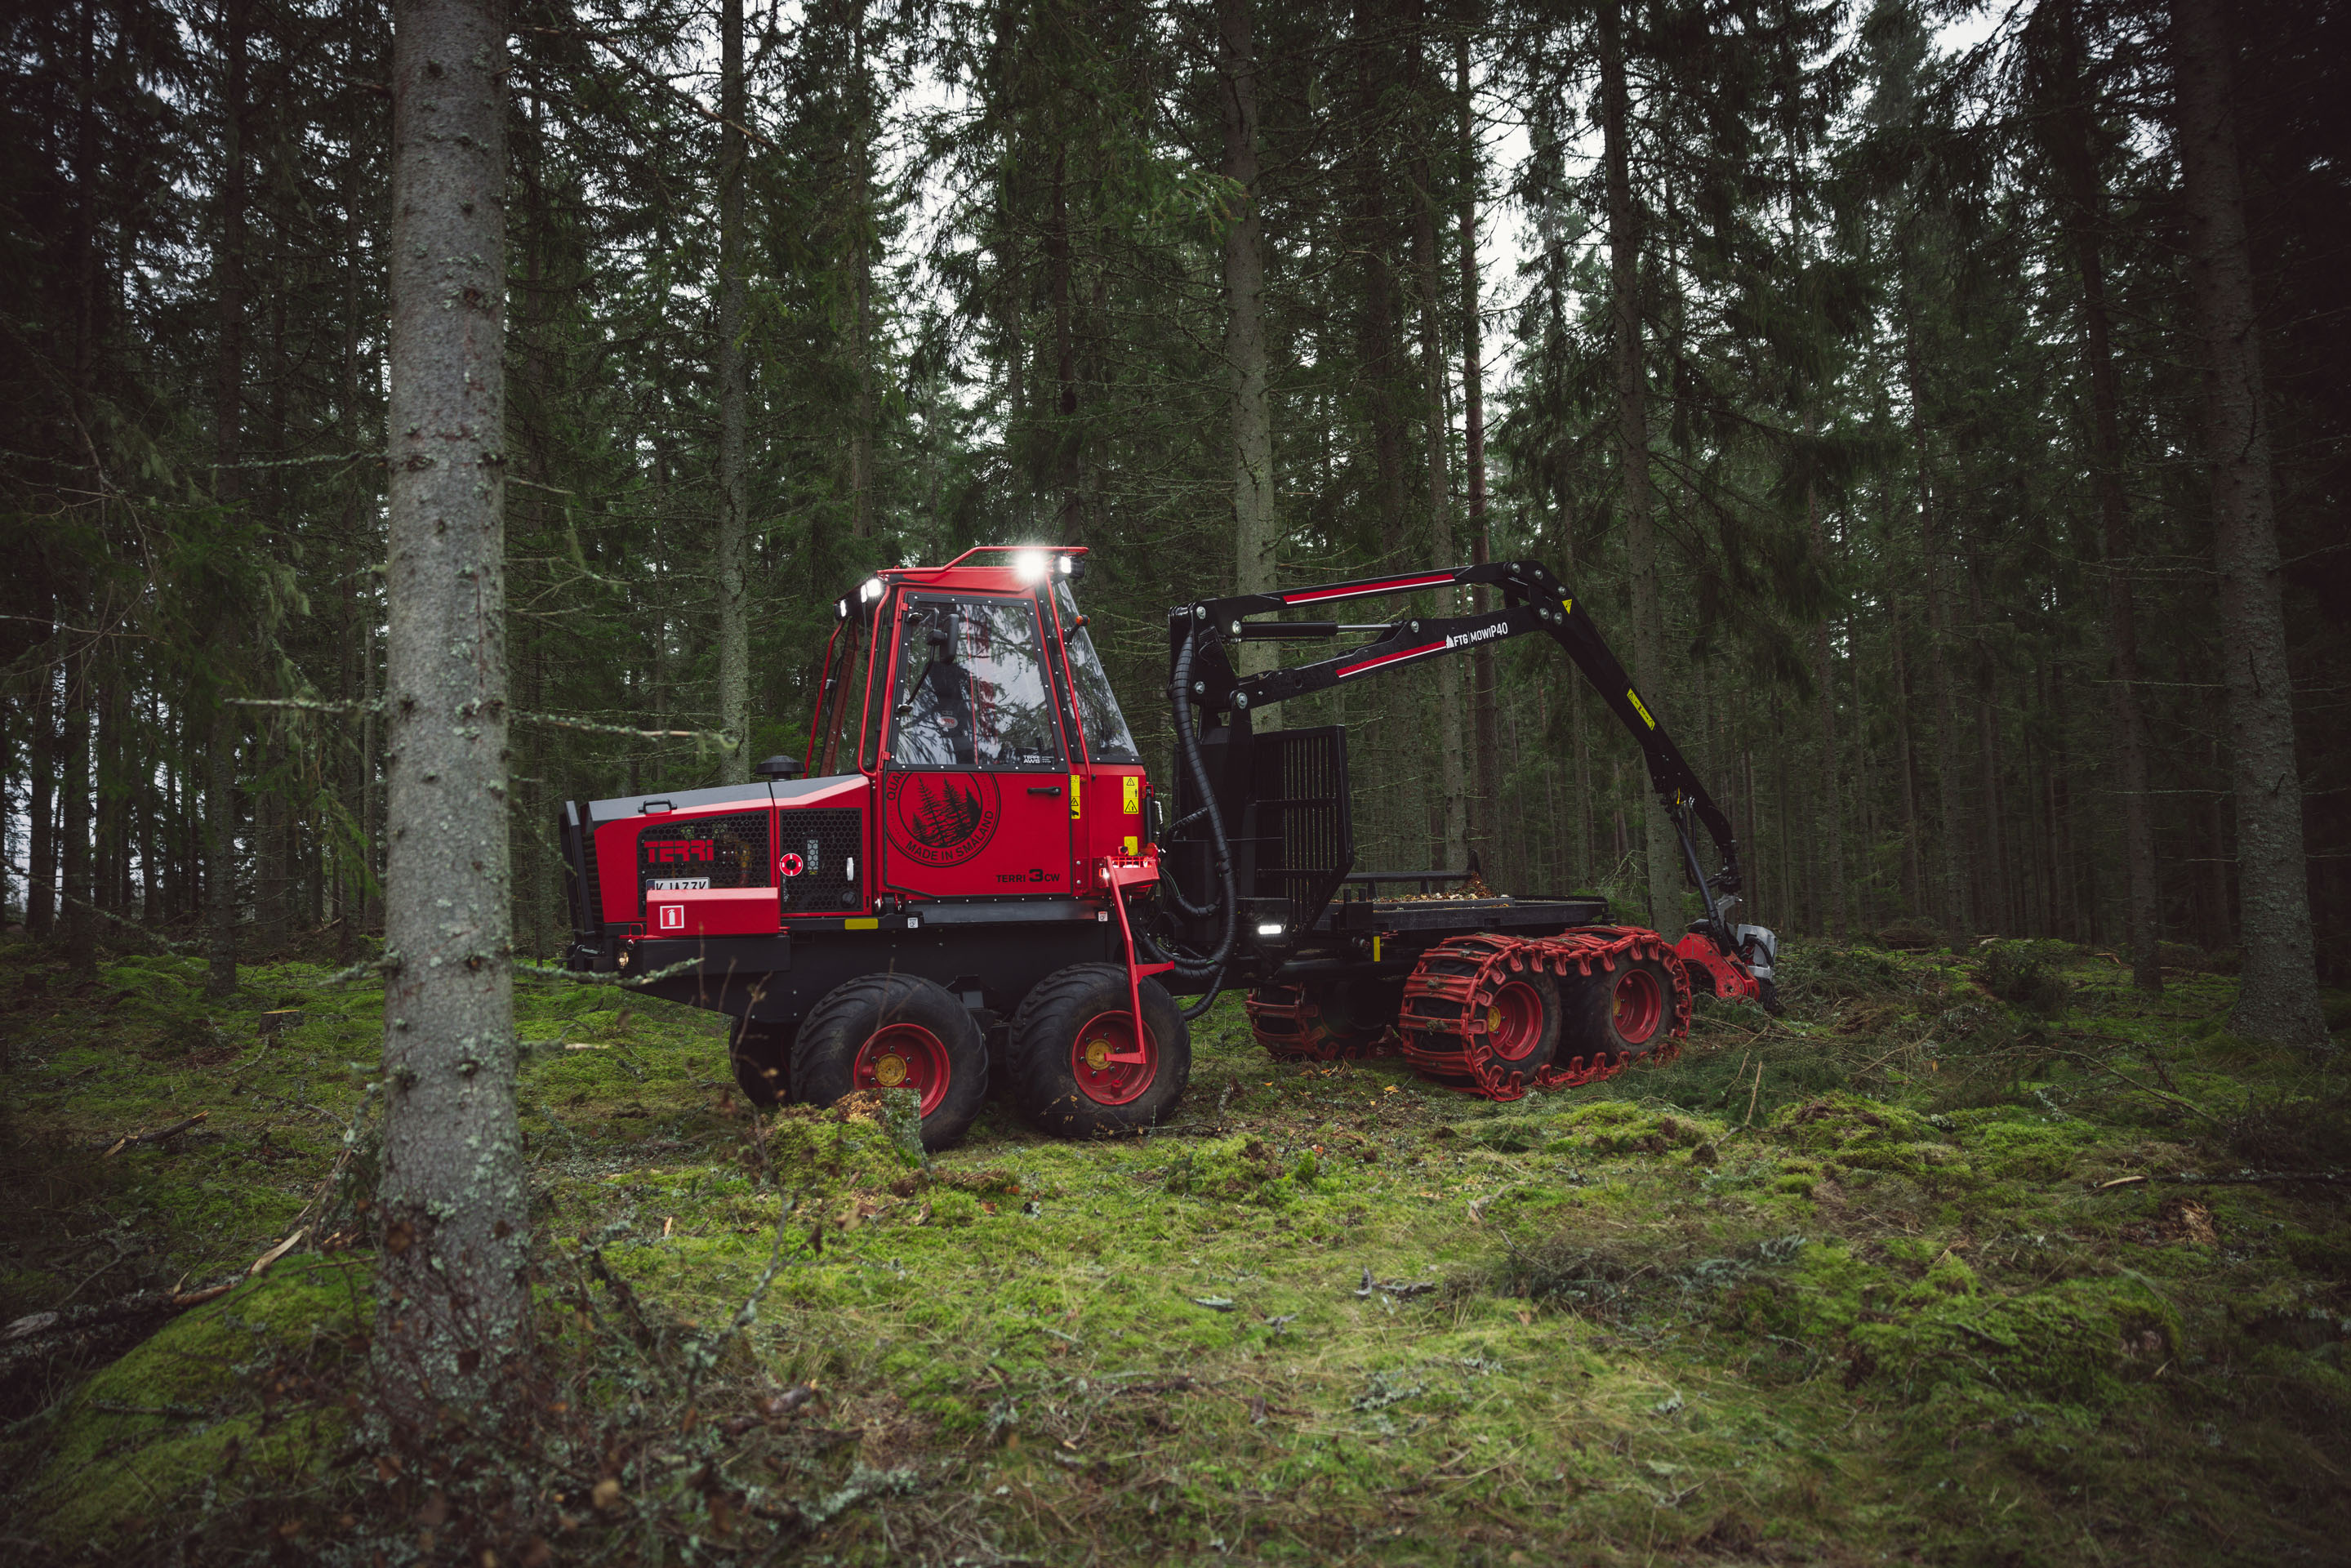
[{"x": 991, "y": 958}]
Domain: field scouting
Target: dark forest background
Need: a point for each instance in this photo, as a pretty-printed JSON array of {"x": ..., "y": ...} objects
[{"x": 1910, "y": 346}]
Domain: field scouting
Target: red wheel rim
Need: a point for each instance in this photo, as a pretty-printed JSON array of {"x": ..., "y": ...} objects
[
  {"x": 905, "y": 1056},
  {"x": 1110, "y": 1067},
  {"x": 1514, "y": 1022},
  {"x": 1640, "y": 1003}
]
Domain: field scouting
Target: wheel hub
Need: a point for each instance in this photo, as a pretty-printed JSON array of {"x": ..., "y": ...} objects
[
  {"x": 889, "y": 1071},
  {"x": 1112, "y": 1067}
]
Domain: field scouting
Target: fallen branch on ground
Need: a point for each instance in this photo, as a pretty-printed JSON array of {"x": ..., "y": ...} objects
[
  {"x": 2237, "y": 1178},
  {"x": 2180, "y": 1101},
  {"x": 157, "y": 1137}
]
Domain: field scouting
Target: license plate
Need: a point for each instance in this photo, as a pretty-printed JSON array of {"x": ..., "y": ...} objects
[{"x": 680, "y": 885}]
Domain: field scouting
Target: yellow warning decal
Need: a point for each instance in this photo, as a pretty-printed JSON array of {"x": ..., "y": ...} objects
[
  {"x": 866, "y": 923},
  {"x": 1634, "y": 698},
  {"x": 1567, "y": 605},
  {"x": 1375, "y": 949},
  {"x": 1076, "y": 779},
  {"x": 1133, "y": 795},
  {"x": 1134, "y": 845}
]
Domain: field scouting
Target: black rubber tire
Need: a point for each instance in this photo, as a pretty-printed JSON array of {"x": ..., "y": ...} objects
[
  {"x": 1590, "y": 1004},
  {"x": 1044, "y": 1044},
  {"x": 825, "y": 1058},
  {"x": 1549, "y": 1031},
  {"x": 761, "y": 1056}
]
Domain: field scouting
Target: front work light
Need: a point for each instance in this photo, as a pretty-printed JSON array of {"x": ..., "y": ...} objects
[{"x": 1031, "y": 565}]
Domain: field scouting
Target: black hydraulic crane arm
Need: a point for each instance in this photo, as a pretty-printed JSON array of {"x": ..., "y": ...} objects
[{"x": 1535, "y": 601}]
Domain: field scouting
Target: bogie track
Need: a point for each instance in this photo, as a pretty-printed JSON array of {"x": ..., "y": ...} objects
[{"x": 1621, "y": 995}]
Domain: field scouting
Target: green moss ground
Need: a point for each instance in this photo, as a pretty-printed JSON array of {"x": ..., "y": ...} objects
[{"x": 1850, "y": 1286}]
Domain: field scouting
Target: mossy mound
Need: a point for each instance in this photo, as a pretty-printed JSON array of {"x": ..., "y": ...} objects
[
  {"x": 1239, "y": 1170},
  {"x": 1866, "y": 1134},
  {"x": 187, "y": 1411},
  {"x": 2073, "y": 1342},
  {"x": 867, "y": 1141},
  {"x": 1624, "y": 1127}
]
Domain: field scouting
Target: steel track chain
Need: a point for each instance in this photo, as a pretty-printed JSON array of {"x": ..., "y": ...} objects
[{"x": 1447, "y": 999}]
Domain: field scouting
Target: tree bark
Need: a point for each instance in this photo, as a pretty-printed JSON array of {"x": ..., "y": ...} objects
[
  {"x": 733, "y": 398},
  {"x": 452, "y": 1313},
  {"x": 1486, "y": 800},
  {"x": 1579, "y": 730},
  {"x": 2067, "y": 134},
  {"x": 1665, "y": 872},
  {"x": 1914, "y": 877},
  {"x": 1452, "y": 773},
  {"x": 2277, "y": 997},
  {"x": 80, "y": 933},
  {"x": 1377, "y": 355},
  {"x": 1254, "y": 562},
  {"x": 1832, "y": 798},
  {"x": 1992, "y": 829},
  {"x": 1070, "y": 515},
  {"x": 858, "y": 162},
  {"x": 41, "y": 806},
  {"x": 228, "y": 416},
  {"x": 1948, "y": 767}
]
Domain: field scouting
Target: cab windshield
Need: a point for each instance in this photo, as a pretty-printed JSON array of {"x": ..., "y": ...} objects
[{"x": 1107, "y": 737}]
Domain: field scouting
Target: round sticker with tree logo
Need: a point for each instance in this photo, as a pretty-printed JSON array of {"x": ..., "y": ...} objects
[{"x": 943, "y": 819}]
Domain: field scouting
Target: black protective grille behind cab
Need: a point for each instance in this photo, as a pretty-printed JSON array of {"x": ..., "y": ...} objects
[
  {"x": 1304, "y": 834},
  {"x": 826, "y": 841}
]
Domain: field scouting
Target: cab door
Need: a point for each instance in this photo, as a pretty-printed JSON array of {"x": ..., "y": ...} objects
[{"x": 975, "y": 787}]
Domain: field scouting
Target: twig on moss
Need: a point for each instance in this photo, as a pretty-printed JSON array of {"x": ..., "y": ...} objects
[
  {"x": 156, "y": 1137},
  {"x": 2180, "y": 1101},
  {"x": 2239, "y": 1178}
]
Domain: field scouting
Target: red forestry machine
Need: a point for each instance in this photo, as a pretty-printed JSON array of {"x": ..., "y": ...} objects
[{"x": 975, "y": 878}]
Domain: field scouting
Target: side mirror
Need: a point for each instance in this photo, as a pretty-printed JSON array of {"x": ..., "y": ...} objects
[{"x": 778, "y": 768}]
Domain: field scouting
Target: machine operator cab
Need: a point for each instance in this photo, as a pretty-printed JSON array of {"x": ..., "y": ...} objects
[{"x": 972, "y": 696}]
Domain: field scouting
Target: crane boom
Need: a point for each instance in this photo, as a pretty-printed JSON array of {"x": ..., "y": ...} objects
[{"x": 1534, "y": 601}]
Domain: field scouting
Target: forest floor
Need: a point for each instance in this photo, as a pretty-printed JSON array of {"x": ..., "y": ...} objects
[{"x": 1915, "y": 1274}]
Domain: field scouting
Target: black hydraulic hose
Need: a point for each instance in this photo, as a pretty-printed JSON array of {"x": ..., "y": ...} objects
[
  {"x": 1211, "y": 967},
  {"x": 1176, "y": 889}
]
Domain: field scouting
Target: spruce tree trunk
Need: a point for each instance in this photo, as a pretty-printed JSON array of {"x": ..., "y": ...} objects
[
  {"x": 734, "y": 397},
  {"x": 1378, "y": 354},
  {"x": 80, "y": 924},
  {"x": 1452, "y": 759},
  {"x": 2066, "y": 133},
  {"x": 2219, "y": 928},
  {"x": 1070, "y": 517},
  {"x": 228, "y": 415},
  {"x": 858, "y": 162},
  {"x": 1914, "y": 877},
  {"x": 1579, "y": 736},
  {"x": 1948, "y": 768},
  {"x": 2277, "y": 998},
  {"x": 1254, "y": 563},
  {"x": 1991, "y": 833},
  {"x": 41, "y": 807},
  {"x": 453, "y": 1312},
  {"x": 1486, "y": 799},
  {"x": 1664, "y": 868},
  {"x": 1831, "y": 788}
]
